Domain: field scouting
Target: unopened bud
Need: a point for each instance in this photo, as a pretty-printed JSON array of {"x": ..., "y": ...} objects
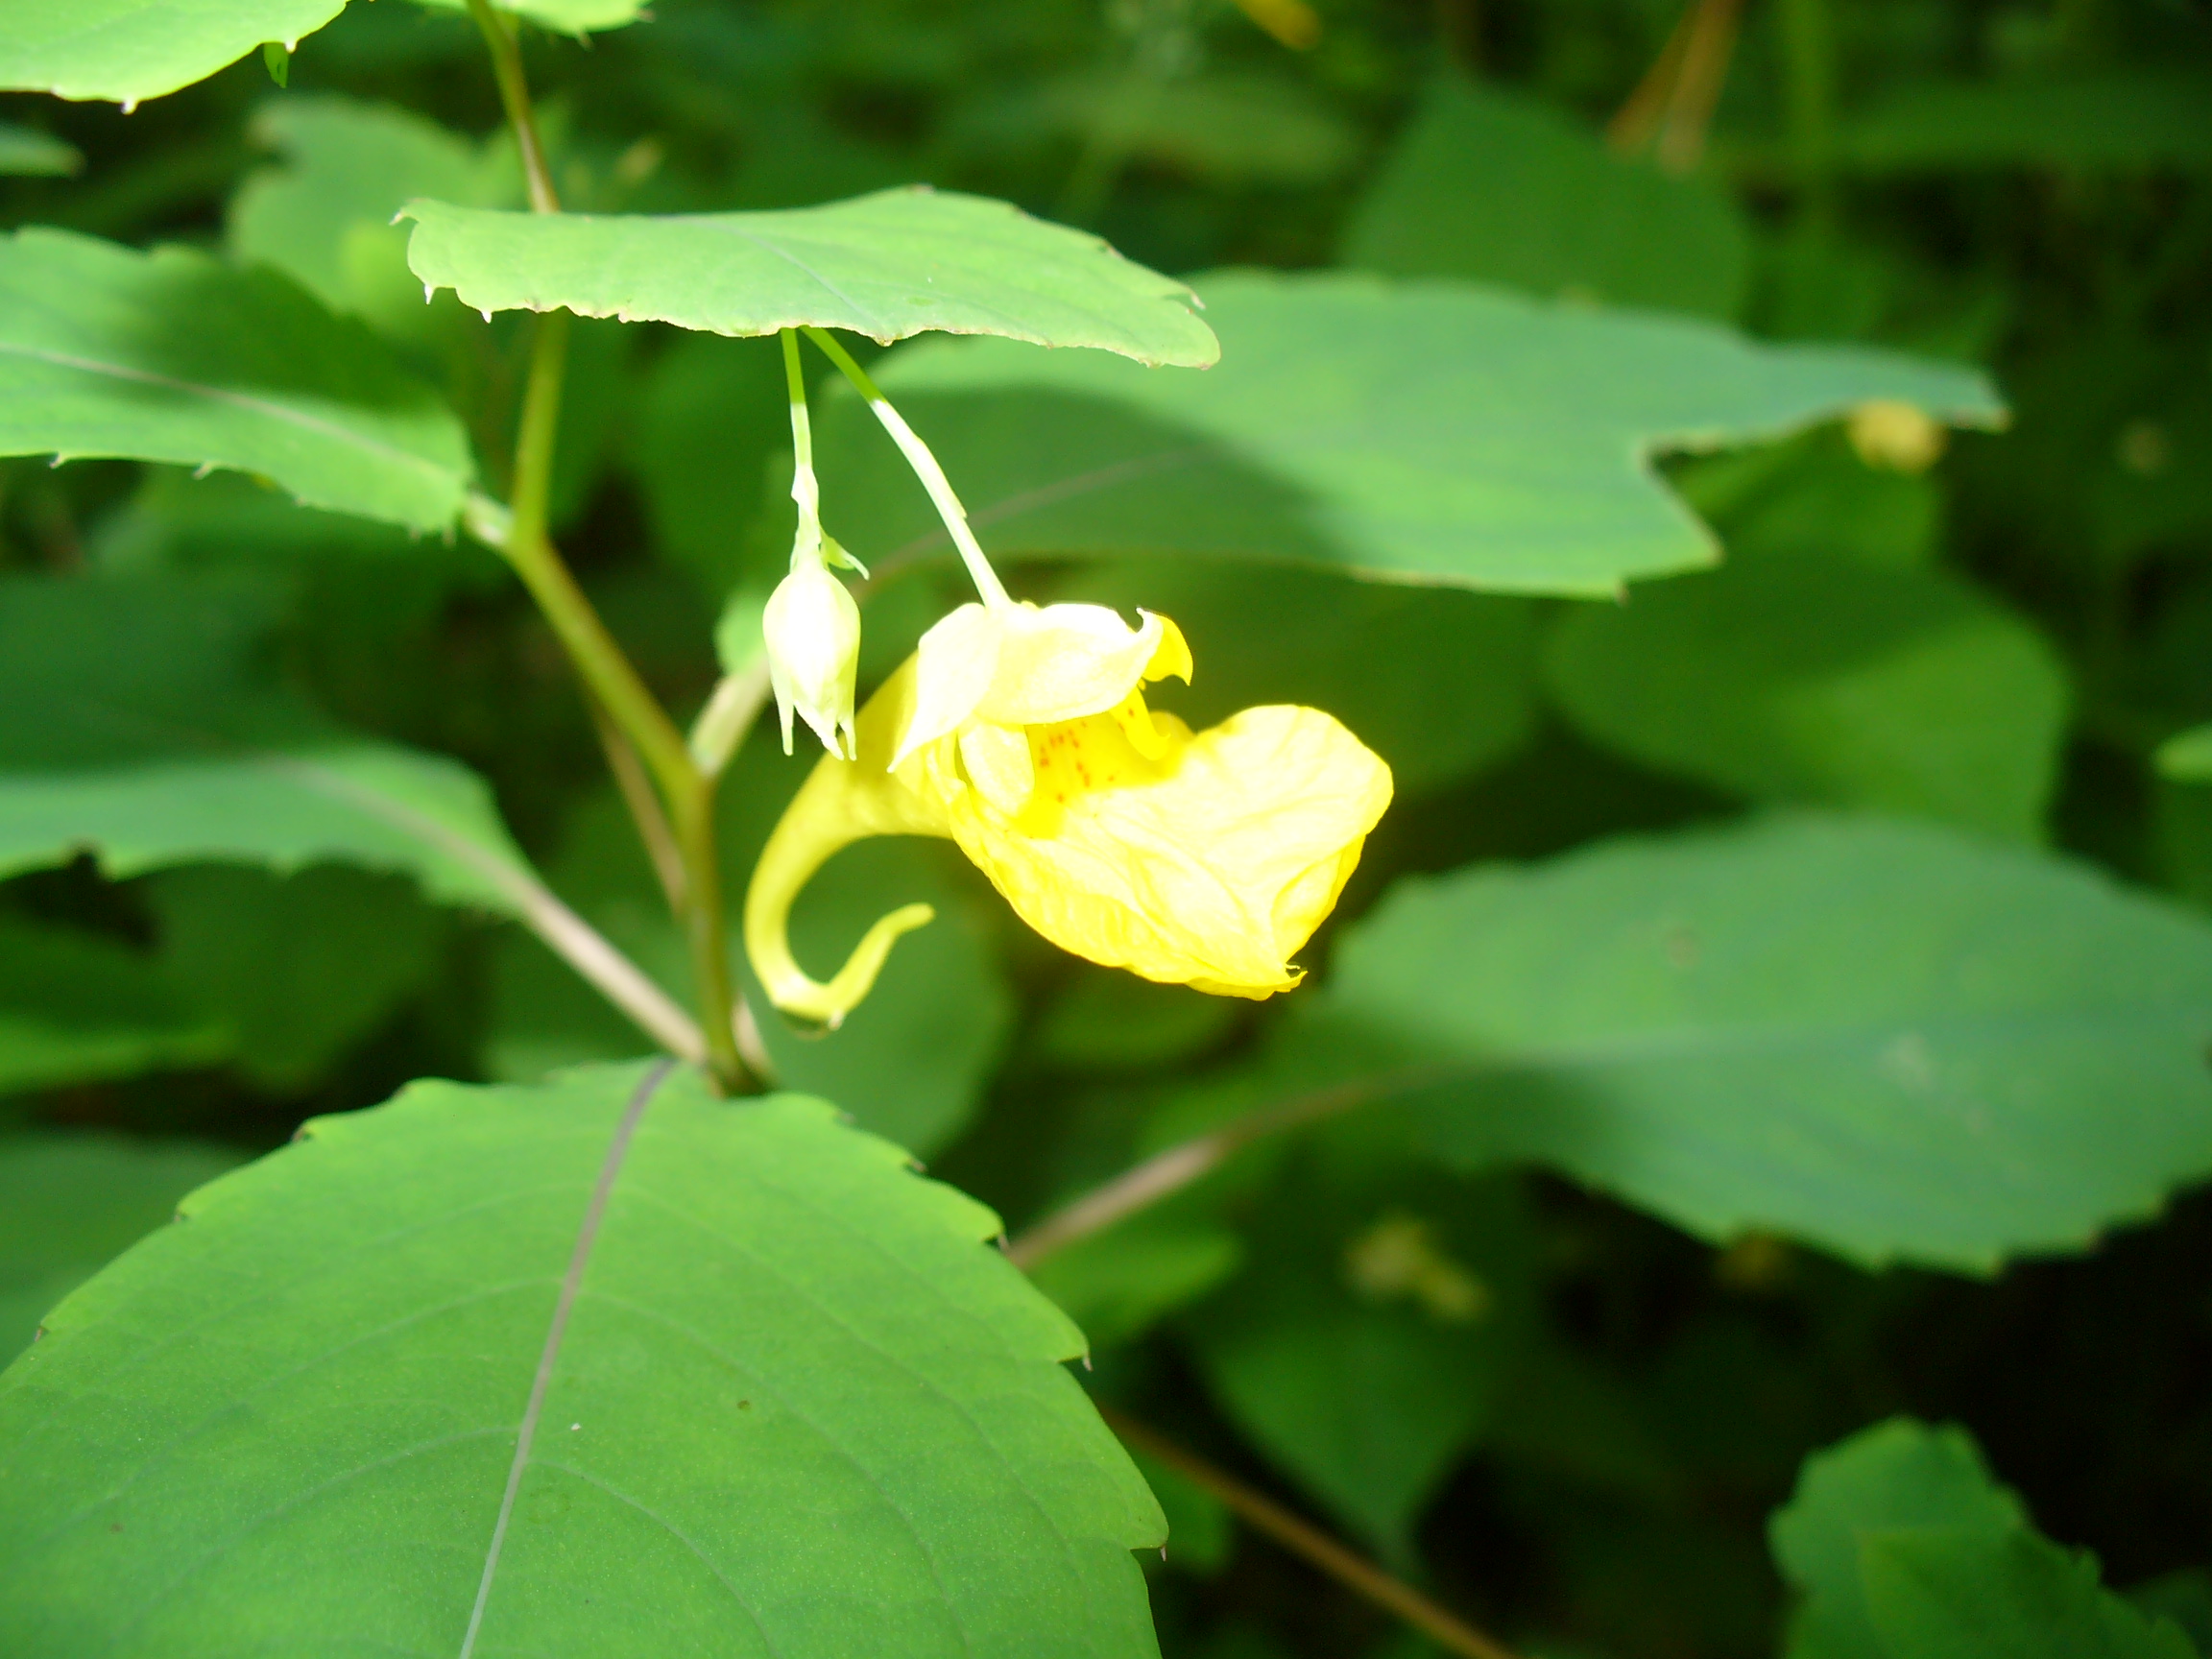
[{"x": 814, "y": 633}]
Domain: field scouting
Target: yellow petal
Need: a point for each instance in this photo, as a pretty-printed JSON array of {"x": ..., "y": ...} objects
[
  {"x": 953, "y": 671},
  {"x": 841, "y": 802},
  {"x": 1063, "y": 661},
  {"x": 1209, "y": 865},
  {"x": 1172, "y": 660},
  {"x": 996, "y": 760}
]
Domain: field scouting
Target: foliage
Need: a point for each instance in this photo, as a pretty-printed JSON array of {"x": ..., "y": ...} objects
[{"x": 1742, "y": 469}]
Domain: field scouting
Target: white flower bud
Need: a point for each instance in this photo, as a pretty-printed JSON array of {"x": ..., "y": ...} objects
[{"x": 814, "y": 633}]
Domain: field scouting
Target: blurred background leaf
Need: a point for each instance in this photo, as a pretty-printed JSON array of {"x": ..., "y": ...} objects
[{"x": 1505, "y": 189}]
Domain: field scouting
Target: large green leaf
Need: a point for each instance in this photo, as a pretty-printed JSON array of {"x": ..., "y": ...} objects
[
  {"x": 1424, "y": 431},
  {"x": 325, "y": 217},
  {"x": 888, "y": 265},
  {"x": 1901, "y": 1547},
  {"x": 171, "y": 357},
  {"x": 75, "y": 1006},
  {"x": 1829, "y": 681},
  {"x": 135, "y": 723},
  {"x": 127, "y": 50},
  {"x": 1884, "y": 1037},
  {"x": 68, "y": 1203},
  {"x": 602, "y": 1368},
  {"x": 1489, "y": 184}
]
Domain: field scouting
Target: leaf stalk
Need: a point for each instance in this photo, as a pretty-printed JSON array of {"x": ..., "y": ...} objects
[{"x": 1262, "y": 1514}]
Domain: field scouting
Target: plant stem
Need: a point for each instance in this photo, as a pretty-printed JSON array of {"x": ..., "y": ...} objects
[
  {"x": 515, "y": 95},
  {"x": 1302, "y": 1538},
  {"x": 1705, "y": 57},
  {"x": 628, "y": 703},
  {"x": 730, "y": 712},
  {"x": 645, "y": 810},
  {"x": 1808, "y": 50},
  {"x": 1166, "y": 1173},
  {"x": 925, "y": 468}
]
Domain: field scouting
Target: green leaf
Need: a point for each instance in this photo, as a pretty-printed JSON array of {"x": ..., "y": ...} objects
[
  {"x": 1366, "y": 652},
  {"x": 1489, "y": 184},
  {"x": 1901, "y": 1547},
  {"x": 1883, "y": 1038},
  {"x": 1938, "y": 1594},
  {"x": 298, "y": 969},
  {"x": 2186, "y": 757},
  {"x": 1429, "y": 432},
  {"x": 325, "y": 217},
  {"x": 171, "y": 357},
  {"x": 610, "y": 1366},
  {"x": 127, "y": 50},
  {"x": 1826, "y": 680},
  {"x": 888, "y": 265},
  {"x": 1897, "y": 1475},
  {"x": 1363, "y": 1347},
  {"x": 135, "y": 723},
  {"x": 68, "y": 1203},
  {"x": 26, "y": 153},
  {"x": 77, "y": 1006},
  {"x": 1200, "y": 1533},
  {"x": 228, "y": 522}
]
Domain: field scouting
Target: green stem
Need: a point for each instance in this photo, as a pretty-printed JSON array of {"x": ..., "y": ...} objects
[
  {"x": 514, "y": 94},
  {"x": 925, "y": 468},
  {"x": 1808, "y": 48},
  {"x": 628, "y": 701},
  {"x": 608, "y": 674}
]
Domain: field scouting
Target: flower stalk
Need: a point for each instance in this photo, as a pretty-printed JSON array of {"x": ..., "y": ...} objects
[{"x": 955, "y": 517}]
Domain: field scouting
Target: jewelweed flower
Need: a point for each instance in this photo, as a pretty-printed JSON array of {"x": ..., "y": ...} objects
[{"x": 1022, "y": 733}]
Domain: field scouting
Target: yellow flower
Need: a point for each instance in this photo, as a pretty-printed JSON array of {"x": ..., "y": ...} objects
[{"x": 1022, "y": 733}]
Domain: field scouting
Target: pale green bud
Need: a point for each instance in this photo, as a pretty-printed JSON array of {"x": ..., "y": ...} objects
[{"x": 814, "y": 633}]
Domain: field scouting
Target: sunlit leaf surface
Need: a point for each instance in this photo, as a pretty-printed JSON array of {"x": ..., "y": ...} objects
[{"x": 609, "y": 1367}]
